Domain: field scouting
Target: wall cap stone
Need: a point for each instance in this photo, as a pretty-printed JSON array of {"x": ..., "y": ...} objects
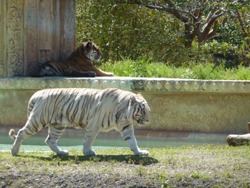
[{"x": 128, "y": 83}]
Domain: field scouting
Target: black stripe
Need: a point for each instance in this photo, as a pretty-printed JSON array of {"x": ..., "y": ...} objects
[
  {"x": 36, "y": 126},
  {"x": 127, "y": 138},
  {"x": 60, "y": 128},
  {"x": 123, "y": 98},
  {"x": 69, "y": 108},
  {"x": 109, "y": 119},
  {"x": 53, "y": 135},
  {"x": 29, "y": 131},
  {"x": 75, "y": 110},
  {"x": 106, "y": 94},
  {"x": 103, "y": 119},
  {"x": 125, "y": 127},
  {"x": 54, "y": 99},
  {"x": 84, "y": 105}
]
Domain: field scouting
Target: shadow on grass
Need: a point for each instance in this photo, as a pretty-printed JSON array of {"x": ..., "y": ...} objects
[{"x": 131, "y": 159}]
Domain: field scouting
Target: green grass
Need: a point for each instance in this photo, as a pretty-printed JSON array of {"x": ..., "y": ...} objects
[
  {"x": 205, "y": 166},
  {"x": 146, "y": 68}
]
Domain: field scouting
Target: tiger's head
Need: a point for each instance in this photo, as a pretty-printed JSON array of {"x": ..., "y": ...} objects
[
  {"x": 91, "y": 51},
  {"x": 141, "y": 109}
]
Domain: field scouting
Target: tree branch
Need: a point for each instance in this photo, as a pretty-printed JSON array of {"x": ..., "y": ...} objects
[
  {"x": 197, "y": 12},
  {"x": 171, "y": 9},
  {"x": 189, "y": 19},
  {"x": 213, "y": 32},
  {"x": 241, "y": 23},
  {"x": 216, "y": 15}
]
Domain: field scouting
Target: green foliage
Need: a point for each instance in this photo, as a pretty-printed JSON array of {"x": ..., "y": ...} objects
[
  {"x": 233, "y": 55},
  {"x": 129, "y": 31},
  {"x": 132, "y": 36},
  {"x": 146, "y": 68},
  {"x": 195, "y": 175},
  {"x": 236, "y": 30}
]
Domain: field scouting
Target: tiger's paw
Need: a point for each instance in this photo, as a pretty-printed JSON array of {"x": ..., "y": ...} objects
[
  {"x": 89, "y": 152},
  {"x": 91, "y": 74},
  {"x": 63, "y": 152},
  {"x": 14, "y": 152},
  {"x": 141, "y": 152},
  {"x": 109, "y": 74}
]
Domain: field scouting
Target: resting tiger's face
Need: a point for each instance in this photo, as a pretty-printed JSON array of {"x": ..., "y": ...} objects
[
  {"x": 141, "y": 112},
  {"x": 91, "y": 51}
]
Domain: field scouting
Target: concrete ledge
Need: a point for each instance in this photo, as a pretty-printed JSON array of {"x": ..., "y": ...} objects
[
  {"x": 128, "y": 83},
  {"x": 185, "y": 105}
]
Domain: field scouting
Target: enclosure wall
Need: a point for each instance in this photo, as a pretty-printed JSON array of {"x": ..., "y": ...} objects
[{"x": 176, "y": 104}]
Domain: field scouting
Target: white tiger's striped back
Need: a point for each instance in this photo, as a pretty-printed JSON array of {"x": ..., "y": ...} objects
[{"x": 73, "y": 106}]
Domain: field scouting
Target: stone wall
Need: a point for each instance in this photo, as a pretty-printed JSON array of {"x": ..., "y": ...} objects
[
  {"x": 33, "y": 32},
  {"x": 176, "y": 104}
]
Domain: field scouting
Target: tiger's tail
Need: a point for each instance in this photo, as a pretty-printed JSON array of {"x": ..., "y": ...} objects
[
  {"x": 40, "y": 73},
  {"x": 11, "y": 134}
]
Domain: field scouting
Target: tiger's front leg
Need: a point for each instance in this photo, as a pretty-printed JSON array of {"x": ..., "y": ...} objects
[
  {"x": 128, "y": 135},
  {"x": 89, "y": 139},
  {"x": 102, "y": 73}
]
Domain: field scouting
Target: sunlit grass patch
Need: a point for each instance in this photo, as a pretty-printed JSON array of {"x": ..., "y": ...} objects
[
  {"x": 145, "y": 67},
  {"x": 168, "y": 166}
]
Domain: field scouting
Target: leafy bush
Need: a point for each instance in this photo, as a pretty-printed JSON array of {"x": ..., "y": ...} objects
[{"x": 147, "y": 68}]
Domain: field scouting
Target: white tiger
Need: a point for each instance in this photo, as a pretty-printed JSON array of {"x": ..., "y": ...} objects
[{"x": 93, "y": 109}]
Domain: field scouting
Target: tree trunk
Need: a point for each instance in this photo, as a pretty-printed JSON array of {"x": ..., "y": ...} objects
[
  {"x": 188, "y": 38},
  {"x": 188, "y": 43}
]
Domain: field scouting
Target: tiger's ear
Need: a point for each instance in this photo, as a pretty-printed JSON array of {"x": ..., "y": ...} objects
[
  {"x": 132, "y": 98},
  {"x": 90, "y": 43},
  {"x": 139, "y": 94}
]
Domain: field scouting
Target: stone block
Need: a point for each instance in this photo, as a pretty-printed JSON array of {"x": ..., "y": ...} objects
[
  {"x": 33, "y": 32},
  {"x": 238, "y": 140}
]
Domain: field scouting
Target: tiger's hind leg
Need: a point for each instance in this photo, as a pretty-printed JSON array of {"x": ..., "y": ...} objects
[
  {"x": 31, "y": 127},
  {"x": 55, "y": 132}
]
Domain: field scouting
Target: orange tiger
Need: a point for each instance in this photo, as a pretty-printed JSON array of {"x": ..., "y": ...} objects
[{"x": 79, "y": 64}]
